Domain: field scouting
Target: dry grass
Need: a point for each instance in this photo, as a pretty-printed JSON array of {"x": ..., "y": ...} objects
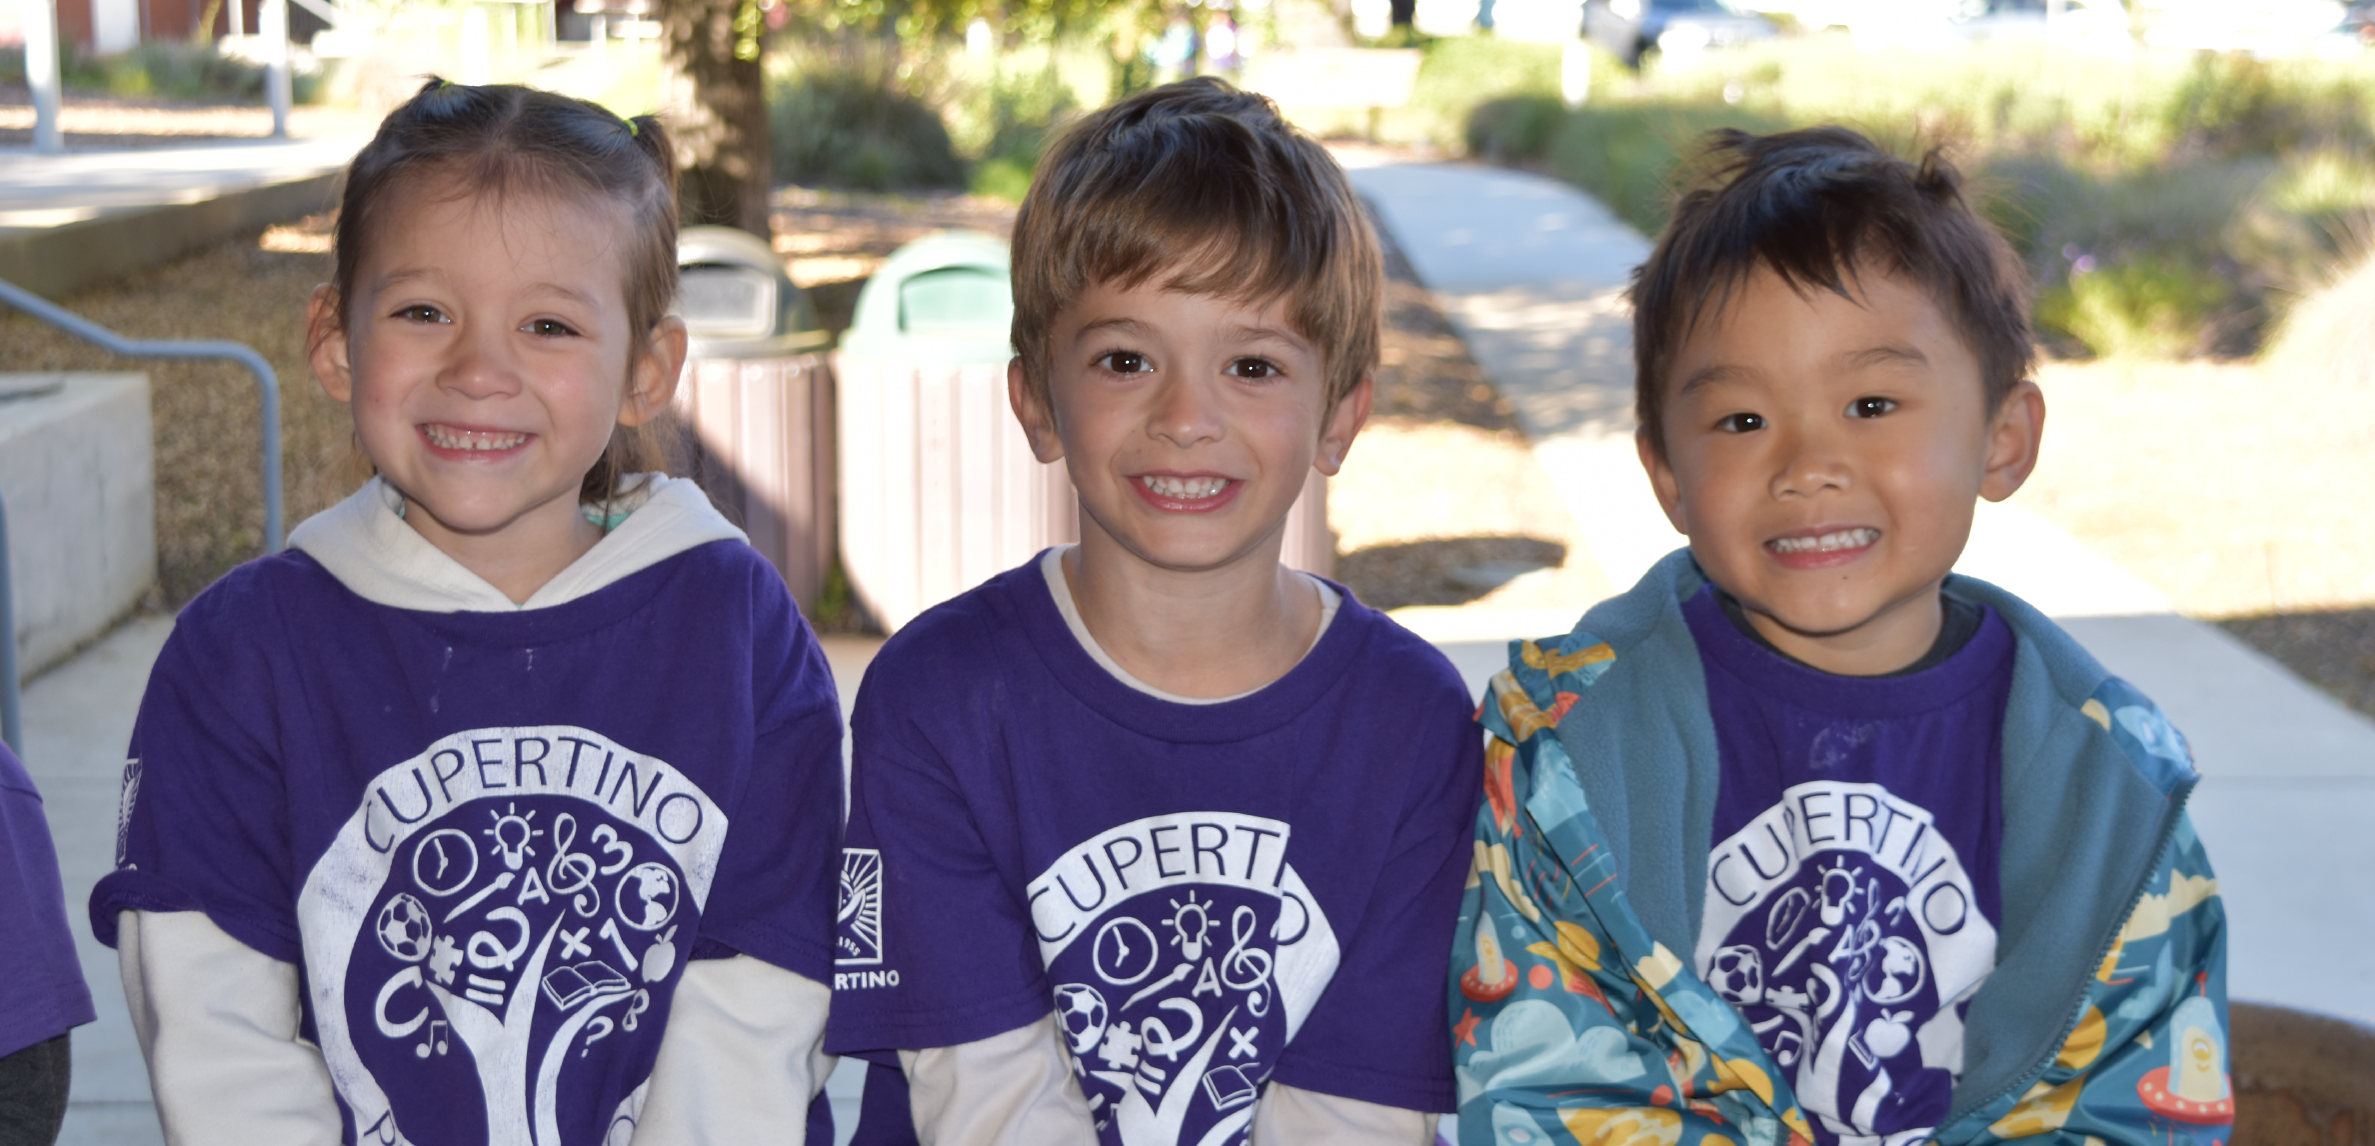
[
  {"x": 2234, "y": 489},
  {"x": 210, "y": 513}
]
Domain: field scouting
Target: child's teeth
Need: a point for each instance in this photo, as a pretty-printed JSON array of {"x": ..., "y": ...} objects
[
  {"x": 448, "y": 438},
  {"x": 1184, "y": 489},
  {"x": 1827, "y": 543}
]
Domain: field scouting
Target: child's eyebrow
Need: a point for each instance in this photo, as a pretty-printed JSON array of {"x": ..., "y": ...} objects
[
  {"x": 1707, "y": 376},
  {"x": 1120, "y": 324},
  {"x": 1884, "y": 354},
  {"x": 403, "y": 276},
  {"x": 1266, "y": 334}
]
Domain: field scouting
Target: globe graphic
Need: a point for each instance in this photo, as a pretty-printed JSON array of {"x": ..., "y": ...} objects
[
  {"x": 1897, "y": 974},
  {"x": 647, "y": 896},
  {"x": 1082, "y": 1011},
  {"x": 404, "y": 928}
]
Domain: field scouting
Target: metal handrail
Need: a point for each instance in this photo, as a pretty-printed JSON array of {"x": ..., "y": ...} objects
[{"x": 267, "y": 385}]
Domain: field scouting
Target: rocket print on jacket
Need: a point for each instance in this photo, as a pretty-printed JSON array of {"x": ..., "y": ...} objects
[{"x": 497, "y": 928}]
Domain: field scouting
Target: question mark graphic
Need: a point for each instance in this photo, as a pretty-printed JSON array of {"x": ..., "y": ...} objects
[{"x": 603, "y": 1023}]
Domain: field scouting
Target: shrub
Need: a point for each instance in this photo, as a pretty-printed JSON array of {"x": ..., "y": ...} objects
[
  {"x": 1461, "y": 73},
  {"x": 1003, "y": 118},
  {"x": 2198, "y": 189},
  {"x": 844, "y": 117},
  {"x": 2147, "y": 307},
  {"x": 1626, "y": 154}
]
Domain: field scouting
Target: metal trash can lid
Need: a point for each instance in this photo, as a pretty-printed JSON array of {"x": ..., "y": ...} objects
[
  {"x": 944, "y": 299},
  {"x": 736, "y": 300}
]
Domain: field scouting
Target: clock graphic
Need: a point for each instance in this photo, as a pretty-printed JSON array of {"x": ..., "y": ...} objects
[{"x": 1125, "y": 951}]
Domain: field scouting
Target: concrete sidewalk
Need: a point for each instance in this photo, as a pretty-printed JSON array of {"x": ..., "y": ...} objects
[
  {"x": 67, "y": 221},
  {"x": 1532, "y": 273}
]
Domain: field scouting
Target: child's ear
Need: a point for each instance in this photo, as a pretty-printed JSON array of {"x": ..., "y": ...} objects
[
  {"x": 1344, "y": 424},
  {"x": 652, "y": 376},
  {"x": 1661, "y": 479},
  {"x": 1039, "y": 422},
  {"x": 325, "y": 344},
  {"x": 2012, "y": 442}
]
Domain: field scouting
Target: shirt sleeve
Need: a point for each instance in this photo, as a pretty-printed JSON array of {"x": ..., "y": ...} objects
[
  {"x": 1378, "y": 1033},
  {"x": 43, "y": 994},
  {"x": 935, "y": 945},
  {"x": 204, "y": 822},
  {"x": 773, "y": 895}
]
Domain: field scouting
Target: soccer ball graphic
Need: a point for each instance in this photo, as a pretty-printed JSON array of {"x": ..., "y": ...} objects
[
  {"x": 1738, "y": 975},
  {"x": 404, "y": 929},
  {"x": 1082, "y": 1011}
]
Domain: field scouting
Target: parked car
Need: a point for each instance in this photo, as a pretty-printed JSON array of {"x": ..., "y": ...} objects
[{"x": 1631, "y": 28}]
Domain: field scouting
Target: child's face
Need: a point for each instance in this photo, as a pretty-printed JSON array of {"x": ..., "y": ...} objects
[
  {"x": 1187, "y": 422},
  {"x": 1824, "y": 457},
  {"x": 487, "y": 354}
]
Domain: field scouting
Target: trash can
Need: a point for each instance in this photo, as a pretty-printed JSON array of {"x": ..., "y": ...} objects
[
  {"x": 939, "y": 489},
  {"x": 755, "y": 403}
]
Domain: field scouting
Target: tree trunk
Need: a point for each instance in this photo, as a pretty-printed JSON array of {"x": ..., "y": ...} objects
[{"x": 714, "y": 101}]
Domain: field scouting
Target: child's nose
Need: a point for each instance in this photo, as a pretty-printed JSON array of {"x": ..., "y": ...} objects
[
  {"x": 1186, "y": 413},
  {"x": 1813, "y": 463},
  {"x": 481, "y": 367}
]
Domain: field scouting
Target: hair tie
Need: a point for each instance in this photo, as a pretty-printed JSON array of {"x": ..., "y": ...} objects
[{"x": 634, "y": 130}]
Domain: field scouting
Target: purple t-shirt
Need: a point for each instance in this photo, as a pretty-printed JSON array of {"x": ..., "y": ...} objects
[
  {"x": 1209, "y": 897},
  {"x": 42, "y": 995},
  {"x": 1851, "y": 896},
  {"x": 492, "y": 840}
]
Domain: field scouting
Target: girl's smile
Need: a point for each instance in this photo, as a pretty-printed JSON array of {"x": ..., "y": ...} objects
[{"x": 488, "y": 357}]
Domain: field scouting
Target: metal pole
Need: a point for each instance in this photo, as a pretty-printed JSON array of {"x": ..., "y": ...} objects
[
  {"x": 267, "y": 385},
  {"x": 275, "y": 28},
  {"x": 12, "y": 727},
  {"x": 41, "y": 72}
]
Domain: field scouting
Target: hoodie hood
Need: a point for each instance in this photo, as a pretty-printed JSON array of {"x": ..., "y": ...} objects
[{"x": 364, "y": 543}]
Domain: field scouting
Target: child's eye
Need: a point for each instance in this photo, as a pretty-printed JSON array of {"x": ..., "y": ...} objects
[
  {"x": 421, "y": 312},
  {"x": 1253, "y": 368},
  {"x": 549, "y": 328},
  {"x": 1870, "y": 407},
  {"x": 1740, "y": 423},
  {"x": 1124, "y": 362}
]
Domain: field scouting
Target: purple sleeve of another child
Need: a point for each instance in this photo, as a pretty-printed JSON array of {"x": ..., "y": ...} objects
[{"x": 43, "y": 995}]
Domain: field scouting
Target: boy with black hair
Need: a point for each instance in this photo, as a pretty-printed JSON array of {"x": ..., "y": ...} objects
[
  {"x": 1153, "y": 841},
  {"x": 1806, "y": 838}
]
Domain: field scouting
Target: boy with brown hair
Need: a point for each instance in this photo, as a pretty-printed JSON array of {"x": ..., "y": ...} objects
[
  {"x": 1806, "y": 838},
  {"x": 1154, "y": 840}
]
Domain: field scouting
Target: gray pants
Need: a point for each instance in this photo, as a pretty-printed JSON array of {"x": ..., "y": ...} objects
[{"x": 33, "y": 1093}]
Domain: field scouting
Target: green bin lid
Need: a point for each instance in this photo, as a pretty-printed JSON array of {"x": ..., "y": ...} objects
[
  {"x": 736, "y": 301},
  {"x": 945, "y": 299}
]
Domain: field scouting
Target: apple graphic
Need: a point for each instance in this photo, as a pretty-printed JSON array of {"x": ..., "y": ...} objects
[
  {"x": 661, "y": 959},
  {"x": 1888, "y": 1034}
]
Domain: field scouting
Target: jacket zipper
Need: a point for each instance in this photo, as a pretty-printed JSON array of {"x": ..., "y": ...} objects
[{"x": 2077, "y": 1010}]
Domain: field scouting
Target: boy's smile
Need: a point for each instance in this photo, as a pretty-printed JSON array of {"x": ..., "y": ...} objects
[
  {"x": 1188, "y": 422},
  {"x": 1824, "y": 457}
]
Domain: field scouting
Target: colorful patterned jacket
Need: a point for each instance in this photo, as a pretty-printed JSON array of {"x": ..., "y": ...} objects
[{"x": 1575, "y": 1021}]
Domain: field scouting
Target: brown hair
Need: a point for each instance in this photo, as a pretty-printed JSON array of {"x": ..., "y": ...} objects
[
  {"x": 1206, "y": 190},
  {"x": 500, "y": 138},
  {"x": 1814, "y": 206}
]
